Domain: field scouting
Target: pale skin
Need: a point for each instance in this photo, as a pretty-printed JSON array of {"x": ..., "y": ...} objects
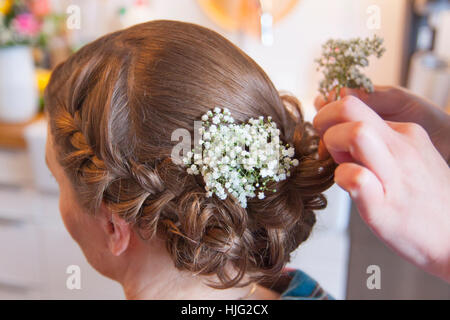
[
  {"x": 392, "y": 148},
  {"x": 143, "y": 268}
]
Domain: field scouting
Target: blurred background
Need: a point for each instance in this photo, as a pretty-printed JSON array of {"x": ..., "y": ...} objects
[{"x": 284, "y": 37}]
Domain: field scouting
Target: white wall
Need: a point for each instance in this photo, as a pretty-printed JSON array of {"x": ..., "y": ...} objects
[
  {"x": 298, "y": 39},
  {"x": 290, "y": 61}
]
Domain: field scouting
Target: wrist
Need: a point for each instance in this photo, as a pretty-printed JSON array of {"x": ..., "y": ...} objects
[
  {"x": 433, "y": 119},
  {"x": 440, "y": 136}
]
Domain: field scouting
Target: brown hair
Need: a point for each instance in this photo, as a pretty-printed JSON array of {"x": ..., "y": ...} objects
[{"x": 112, "y": 108}]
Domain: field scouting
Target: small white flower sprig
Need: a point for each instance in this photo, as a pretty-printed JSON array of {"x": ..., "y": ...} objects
[
  {"x": 341, "y": 60},
  {"x": 239, "y": 159}
]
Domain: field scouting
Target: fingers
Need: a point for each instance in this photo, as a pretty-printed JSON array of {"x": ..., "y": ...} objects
[
  {"x": 409, "y": 129},
  {"x": 338, "y": 157},
  {"x": 364, "y": 188},
  {"x": 347, "y": 109},
  {"x": 323, "y": 152},
  {"x": 381, "y": 100},
  {"x": 352, "y": 132},
  {"x": 321, "y": 101},
  {"x": 361, "y": 143},
  {"x": 414, "y": 133}
]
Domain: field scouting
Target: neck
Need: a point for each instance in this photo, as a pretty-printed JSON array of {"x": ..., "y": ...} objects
[{"x": 152, "y": 275}]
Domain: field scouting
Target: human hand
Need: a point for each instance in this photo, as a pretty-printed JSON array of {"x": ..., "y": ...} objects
[
  {"x": 395, "y": 176},
  {"x": 400, "y": 105}
]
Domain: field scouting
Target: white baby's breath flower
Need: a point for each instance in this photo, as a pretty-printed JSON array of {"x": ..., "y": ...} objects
[
  {"x": 290, "y": 152},
  {"x": 342, "y": 60},
  {"x": 239, "y": 159},
  {"x": 216, "y": 120}
]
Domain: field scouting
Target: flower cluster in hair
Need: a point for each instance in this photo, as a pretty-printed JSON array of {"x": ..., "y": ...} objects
[
  {"x": 341, "y": 62},
  {"x": 239, "y": 159}
]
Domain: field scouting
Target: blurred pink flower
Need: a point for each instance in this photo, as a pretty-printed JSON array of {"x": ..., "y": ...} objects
[
  {"x": 39, "y": 8},
  {"x": 26, "y": 24}
]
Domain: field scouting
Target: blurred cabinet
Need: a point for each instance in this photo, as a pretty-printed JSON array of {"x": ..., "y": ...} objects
[{"x": 35, "y": 248}]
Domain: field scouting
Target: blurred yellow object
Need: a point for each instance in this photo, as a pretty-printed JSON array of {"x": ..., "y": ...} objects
[
  {"x": 5, "y": 6},
  {"x": 42, "y": 77},
  {"x": 244, "y": 15}
]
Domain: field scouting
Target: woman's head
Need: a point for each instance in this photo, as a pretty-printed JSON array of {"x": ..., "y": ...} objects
[{"x": 113, "y": 107}]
